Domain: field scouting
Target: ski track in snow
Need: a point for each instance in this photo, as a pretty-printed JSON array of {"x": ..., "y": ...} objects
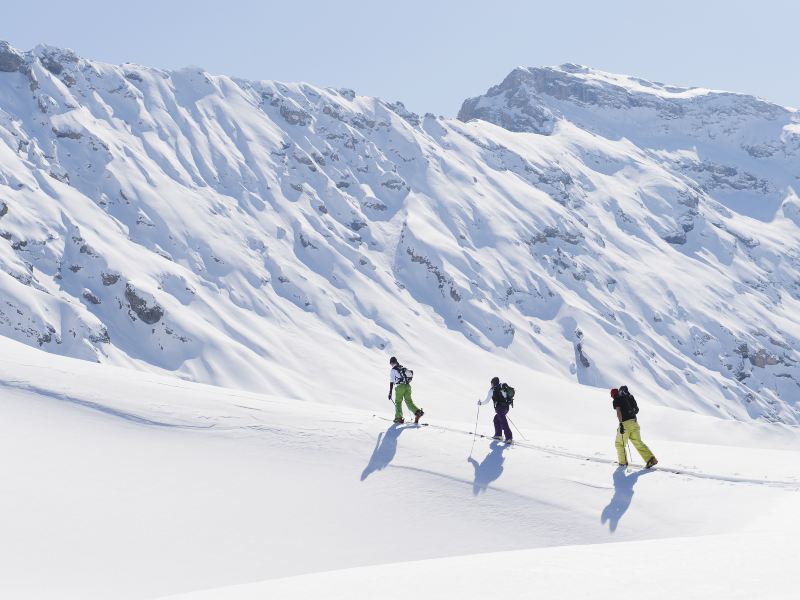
[{"x": 658, "y": 468}]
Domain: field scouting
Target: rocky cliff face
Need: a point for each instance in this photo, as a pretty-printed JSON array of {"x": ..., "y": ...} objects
[{"x": 258, "y": 234}]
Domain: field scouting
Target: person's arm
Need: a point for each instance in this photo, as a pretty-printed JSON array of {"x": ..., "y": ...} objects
[
  {"x": 391, "y": 386},
  {"x": 487, "y": 399},
  {"x": 619, "y": 418}
]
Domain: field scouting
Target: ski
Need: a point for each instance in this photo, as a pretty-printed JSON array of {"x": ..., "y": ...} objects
[{"x": 409, "y": 423}]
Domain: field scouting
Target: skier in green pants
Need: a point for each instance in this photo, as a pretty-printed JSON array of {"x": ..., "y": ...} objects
[{"x": 400, "y": 380}]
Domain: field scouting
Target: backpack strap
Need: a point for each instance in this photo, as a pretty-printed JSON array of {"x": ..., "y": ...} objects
[{"x": 401, "y": 371}]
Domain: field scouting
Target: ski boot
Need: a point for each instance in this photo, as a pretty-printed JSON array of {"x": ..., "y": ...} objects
[
  {"x": 418, "y": 415},
  {"x": 651, "y": 463},
  {"x": 399, "y": 420},
  {"x": 499, "y": 438}
]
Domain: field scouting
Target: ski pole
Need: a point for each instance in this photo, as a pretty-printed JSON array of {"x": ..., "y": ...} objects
[
  {"x": 624, "y": 450},
  {"x": 517, "y": 428},
  {"x": 475, "y": 430}
]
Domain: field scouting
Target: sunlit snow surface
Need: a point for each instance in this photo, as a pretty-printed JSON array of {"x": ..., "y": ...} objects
[{"x": 117, "y": 484}]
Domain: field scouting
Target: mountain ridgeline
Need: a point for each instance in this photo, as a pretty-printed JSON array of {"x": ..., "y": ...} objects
[{"x": 593, "y": 226}]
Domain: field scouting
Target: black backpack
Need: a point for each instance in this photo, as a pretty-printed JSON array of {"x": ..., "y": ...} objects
[
  {"x": 628, "y": 398},
  {"x": 406, "y": 375}
]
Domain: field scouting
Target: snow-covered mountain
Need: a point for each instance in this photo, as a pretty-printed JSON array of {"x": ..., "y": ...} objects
[
  {"x": 742, "y": 150},
  {"x": 289, "y": 238}
]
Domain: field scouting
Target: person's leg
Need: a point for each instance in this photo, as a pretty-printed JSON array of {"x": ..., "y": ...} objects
[
  {"x": 503, "y": 414},
  {"x": 409, "y": 403},
  {"x": 398, "y": 403},
  {"x": 497, "y": 425},
  {"x": 620, "y": 444},
  {"x": 636, "y": 439}
]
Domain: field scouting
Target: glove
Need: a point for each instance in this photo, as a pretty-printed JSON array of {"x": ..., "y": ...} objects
[
  {"x": 479, "y": 402},
  {"x": 389, "y": 396},
  {"x": 621, "y": 428}
]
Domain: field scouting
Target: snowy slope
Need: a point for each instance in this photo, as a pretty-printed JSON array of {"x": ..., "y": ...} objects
[
  {"x": 741, "y": 566},
  {"x": 228, "y": 231},
  {"x": 129, "y": 485}
]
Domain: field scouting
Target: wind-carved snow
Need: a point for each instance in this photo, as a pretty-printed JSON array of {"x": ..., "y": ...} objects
[{"x": 597, "y": 227}]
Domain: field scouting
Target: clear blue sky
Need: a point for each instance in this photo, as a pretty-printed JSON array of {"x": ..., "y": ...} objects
[{"x": 432, "y": 55}]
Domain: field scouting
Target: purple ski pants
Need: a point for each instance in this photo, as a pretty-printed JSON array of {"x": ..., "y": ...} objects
[{"x": 501, "y": 421}]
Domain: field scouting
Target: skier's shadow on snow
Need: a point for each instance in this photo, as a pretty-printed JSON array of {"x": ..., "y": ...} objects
[
  {"x": 623, "y": 495},
  {"x": 489, "y": 469},
  {"x": 385, "y": 449}
]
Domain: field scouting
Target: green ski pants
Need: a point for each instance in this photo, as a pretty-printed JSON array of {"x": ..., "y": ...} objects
[
  {"x": 402, "y": 391},
  {"x": 633, "y": 434}
]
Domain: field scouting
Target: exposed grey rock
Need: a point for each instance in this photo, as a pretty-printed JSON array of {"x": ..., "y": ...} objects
[
  {"x": 306, "y": 243},
  {"x": 73, "y": 135},
  {"x": 400, "y": 109},
  {"x": 148, "y": 314},
  {"x": 394, "y": 183},
  {"x": 442, "y": 279},
  {"x": 550, "y": 233},
  {"x": 47, "y": 337},
  {"x": 522, "y": 114},
  {"x": 295, "y": 116},
  {"x": 55, "y": 60},
  {"x": 374, "y": 204},
  {"x": 357, "y": 225},
  {"x": 584, "y": 360},
  {"x": 362, "y": 122},
  {"x": 109, "y": 278},
  {"x": 90, "y": 297},
  {"x": 101, "y": 337},
  {"x": 52, "y": 65},
  {"x": 10, "y": 59},
  {"x": 762, "y": 358},
  {"x": 678, "y": 238}
]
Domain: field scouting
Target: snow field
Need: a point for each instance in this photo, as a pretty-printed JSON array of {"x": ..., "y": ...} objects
[{"x": 129, "y": 485}]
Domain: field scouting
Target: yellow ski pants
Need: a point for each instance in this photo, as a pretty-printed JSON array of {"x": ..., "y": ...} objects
[{"x": 633, "y": 434}]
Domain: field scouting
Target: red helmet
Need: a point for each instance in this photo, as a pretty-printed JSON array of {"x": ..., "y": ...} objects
[{"x": 614, "y": 392}]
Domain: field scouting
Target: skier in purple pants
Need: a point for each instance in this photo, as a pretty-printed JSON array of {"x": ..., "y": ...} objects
[{"x": 501, "y": 406}]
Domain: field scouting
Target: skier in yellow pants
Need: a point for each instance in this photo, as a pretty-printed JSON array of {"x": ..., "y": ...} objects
[{"x": 625, "y": 405}]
